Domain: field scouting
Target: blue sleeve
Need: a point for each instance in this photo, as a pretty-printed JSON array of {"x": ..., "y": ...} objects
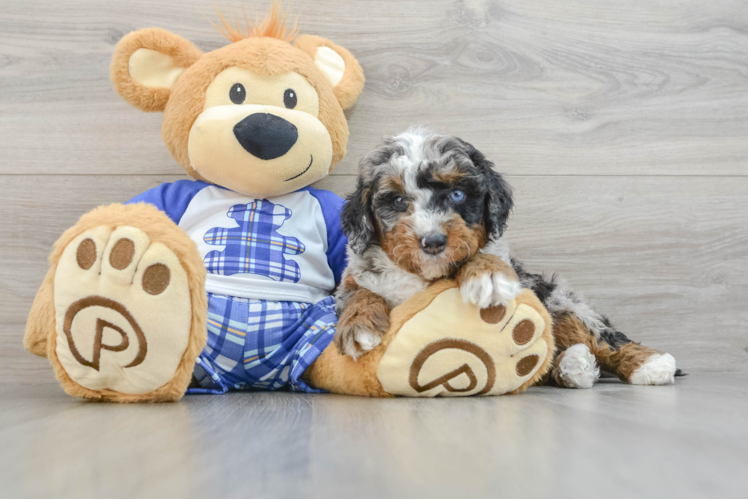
[
  {"x": 172, "y": 198},
  {"x": 332, "y": 206}
]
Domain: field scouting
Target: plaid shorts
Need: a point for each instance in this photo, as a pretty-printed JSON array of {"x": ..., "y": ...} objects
[{"x": 258, "y": 344}]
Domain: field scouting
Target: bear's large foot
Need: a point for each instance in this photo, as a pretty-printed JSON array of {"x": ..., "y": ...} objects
[
  {"x": 124, "y": 324},
  {"x": 440, "y": 346}
]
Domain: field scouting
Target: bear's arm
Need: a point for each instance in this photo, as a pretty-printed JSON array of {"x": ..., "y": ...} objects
[
  {"x": 172, "y": 198},
  {"x": 332, "y": 206}
]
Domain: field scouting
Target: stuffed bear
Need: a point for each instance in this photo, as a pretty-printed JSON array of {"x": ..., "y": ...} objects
[{"x": 224, "y": 282}]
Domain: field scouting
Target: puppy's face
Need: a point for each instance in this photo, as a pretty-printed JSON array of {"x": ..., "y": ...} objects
[{"x": 429, "y": 201}]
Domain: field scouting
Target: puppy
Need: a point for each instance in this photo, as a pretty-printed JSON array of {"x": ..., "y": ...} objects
[{"x": 429, "y": 206}]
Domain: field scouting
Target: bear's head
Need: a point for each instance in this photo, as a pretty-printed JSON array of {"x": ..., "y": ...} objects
[{"x": 262, "y": 116}]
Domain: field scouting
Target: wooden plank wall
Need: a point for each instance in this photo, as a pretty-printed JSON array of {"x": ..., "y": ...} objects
[{"x": 622, "y": 125}]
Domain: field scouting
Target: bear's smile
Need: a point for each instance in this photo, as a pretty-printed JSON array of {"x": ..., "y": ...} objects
[{"x": 311, "y": 160}]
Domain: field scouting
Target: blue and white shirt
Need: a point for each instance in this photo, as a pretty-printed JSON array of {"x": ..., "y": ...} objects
[{"x": 287, "y": 248}]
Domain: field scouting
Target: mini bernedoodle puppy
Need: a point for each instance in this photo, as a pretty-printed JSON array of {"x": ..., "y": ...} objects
[{"x": 430, "y": 206}]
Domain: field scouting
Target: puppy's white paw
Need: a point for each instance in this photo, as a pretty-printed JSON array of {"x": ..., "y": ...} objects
[
  {"x": 490, "y": 289},
  {"x": 578, "y": 368},
  {"x": 658, "y": 369},
  {"x": 355, "y": 341},
  {"x": 368, "y": 340}
]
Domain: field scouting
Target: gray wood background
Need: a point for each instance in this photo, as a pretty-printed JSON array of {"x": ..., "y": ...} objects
[{"x": 622, "y": 125}]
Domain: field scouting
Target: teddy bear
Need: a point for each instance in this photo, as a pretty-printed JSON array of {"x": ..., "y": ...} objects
[{"x": 224, "y": 282}]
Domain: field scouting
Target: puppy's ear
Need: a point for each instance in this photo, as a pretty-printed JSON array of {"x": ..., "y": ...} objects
[
  {"x": 338, "y": 65},
  {"x": 498, "y": 202},
  {"x": 357, "y": 218},
  {"x": 146, "y": 63}
]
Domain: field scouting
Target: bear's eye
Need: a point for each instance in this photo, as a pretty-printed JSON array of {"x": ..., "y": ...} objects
[
  {"x": 289, "y": 98},
  {"x": 237, "y": 94}
]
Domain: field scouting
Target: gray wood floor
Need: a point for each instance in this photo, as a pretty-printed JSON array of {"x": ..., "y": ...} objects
[
  {"x": 623, "y": 127},
  {"x": 614, "y": 440}
]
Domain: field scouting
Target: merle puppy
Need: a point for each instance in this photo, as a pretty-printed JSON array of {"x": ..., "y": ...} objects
[{"x": 430, "y": 206}]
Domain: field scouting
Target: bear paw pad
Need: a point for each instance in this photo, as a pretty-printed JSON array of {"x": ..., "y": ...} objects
[
  {"x": 123, "y": 311},
  {"x": 450, "y": 348}
]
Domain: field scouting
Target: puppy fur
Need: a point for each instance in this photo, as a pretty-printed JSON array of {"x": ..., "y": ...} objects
[{"x": 429, "y": 206}]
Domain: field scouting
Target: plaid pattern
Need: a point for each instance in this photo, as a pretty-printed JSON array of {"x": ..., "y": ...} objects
[
  {"x": 255, "y": 246},
  {"x": 258, "y": 344}
]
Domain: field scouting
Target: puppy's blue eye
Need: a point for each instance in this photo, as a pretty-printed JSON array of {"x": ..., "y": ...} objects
[{"x": 457, "y": 195}]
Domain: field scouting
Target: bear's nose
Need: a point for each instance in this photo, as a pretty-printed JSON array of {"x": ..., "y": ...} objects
[{"x": 266, "y": 136}]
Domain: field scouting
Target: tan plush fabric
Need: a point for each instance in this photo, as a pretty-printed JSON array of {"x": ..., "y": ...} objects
[
  {"x": 449, "y": 349},
  {"x": 434, "y": 321},
  {"x": 112, "y": 332},
  {"x": 217, "y": 156},
  {"x": 342, "y": 375},
  {"x": 264, "y": 90},
  {"x": 331, "y": 64},
  {"x": 188, "y": 94},
  {"x": 184, "y": 100},
  {"x": 41, "y": 318},
  {"x": 352, "y": 83},
  {"x": 179, "y": 52},
  {"x": 159, "y": 231},
  {"x": 151, "y": 68}
]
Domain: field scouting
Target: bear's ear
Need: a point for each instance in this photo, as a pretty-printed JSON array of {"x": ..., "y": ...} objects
[
  {"x": 146, "y": 63},
  {"x": 338, "y": 65}
]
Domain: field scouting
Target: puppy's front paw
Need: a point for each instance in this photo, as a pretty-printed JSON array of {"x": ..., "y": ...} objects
[
  {"x": 361, "y": 333},
  {"x": 490, "y": 289}
]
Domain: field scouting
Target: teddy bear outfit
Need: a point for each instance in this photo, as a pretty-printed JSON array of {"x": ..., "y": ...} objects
[{"x": 272, "y": 265}]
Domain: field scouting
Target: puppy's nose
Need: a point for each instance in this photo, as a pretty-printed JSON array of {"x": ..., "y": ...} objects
[
  {"x": 266, "y": 136},
  {"x": 433, "y": 243}
]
